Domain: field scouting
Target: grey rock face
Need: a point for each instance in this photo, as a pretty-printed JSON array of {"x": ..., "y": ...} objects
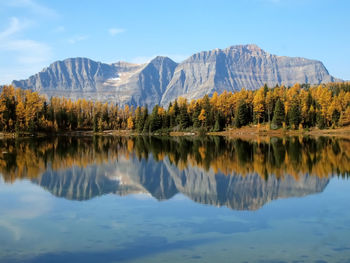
[
  {"x": 72, "y": 75},
  {"x": 237, "y": 67},
  {"x": 121, "y": 82},
  {"x": 162, "y": 80},
  {"x": 147, "y": 84}
]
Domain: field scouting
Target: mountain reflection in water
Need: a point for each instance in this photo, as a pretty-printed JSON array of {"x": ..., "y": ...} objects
[{"x": 239, "y": 174}]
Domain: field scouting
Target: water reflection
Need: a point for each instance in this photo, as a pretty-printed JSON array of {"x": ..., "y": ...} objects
[{"x": 238, "y": 174}]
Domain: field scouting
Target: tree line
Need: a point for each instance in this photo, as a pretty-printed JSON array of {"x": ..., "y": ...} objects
[{"x": 296, "y": 107}]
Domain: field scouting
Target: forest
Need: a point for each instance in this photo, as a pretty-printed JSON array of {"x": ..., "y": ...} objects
[{"x": 301, "y": 106}]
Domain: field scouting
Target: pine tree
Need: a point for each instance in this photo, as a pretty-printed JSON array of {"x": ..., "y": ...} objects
[
  {"x": 278, "y": 116},
  {"x": 335, "y": 117},
  {"x": 176, "y": 113},
  {"x": 217, "y": 126},
  {"x": 138, "y": 118},
  {"x": 94, "y": 123},
  {"x": 242, "y": 114},
  {"x": 320, "y": 121},
  {"x": 184, "y": 117},
  {"x": 196, "y": 112},
  {"x": 100, "y": 125},
  {"x": 269, "y": 105},
  {"x": 155, "y": 120}
]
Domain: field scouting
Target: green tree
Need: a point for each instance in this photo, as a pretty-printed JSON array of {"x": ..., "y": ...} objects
[
  {"x": 184, "y": 117},
  {"x": 242, "y": 114},
  {"x": 335, "y": 117},
  {"x": 155, "y": 120},
  {"x": 279, "y": 115},
  {"x": 320, "y": 121},
  {"x": 197, "y": 110},
  {"x": 138, "y": 122},
  {"x": 217, "y": 125},
  {"x": 94, "y": 123}
]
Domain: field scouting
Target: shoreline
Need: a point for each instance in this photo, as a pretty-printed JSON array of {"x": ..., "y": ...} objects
[
  {"x": 255, "y": 133},
  {"x": 247, "y": 132}
]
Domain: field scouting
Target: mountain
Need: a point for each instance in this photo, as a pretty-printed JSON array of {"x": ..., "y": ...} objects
[
  {"x": 162, "y": 80},
  {"x": 237, "y": 67},
  {"x": 121, "y": 82}
]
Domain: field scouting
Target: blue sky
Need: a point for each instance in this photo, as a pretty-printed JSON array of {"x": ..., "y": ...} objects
[{"x": 35, "y": 33}]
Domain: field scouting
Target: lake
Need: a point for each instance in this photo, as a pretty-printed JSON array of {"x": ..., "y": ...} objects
[{"x": 174, "y": 199}]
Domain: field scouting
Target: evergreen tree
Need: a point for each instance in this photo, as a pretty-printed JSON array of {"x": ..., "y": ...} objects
[
  {"x": 94, "y": 123},
  {"x": 176, "y": 113},
  {"x": 294, "y": 114},
  {"x": 165, "y": 121},
  {"x": 100, "y": 125},
  {"x": 242, "y": 114},
  {"x": 320, "y": 121},
  {"x": 184, "y": 117},
  {"x": 196, "y": 112},
  {"x": 155, "y": 120},
  {"x": 335, "y": 117},
  {"x": 279, "y": 115},
  {"x": 217, "y": 125},
  {"x": 138, "y": 122},
  {"x": 146, "y": 127},
  {"x": 209, "y": 120}
]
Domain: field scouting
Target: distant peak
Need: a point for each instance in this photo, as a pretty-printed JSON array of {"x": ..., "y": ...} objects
[
  {"x": 161, "y": 58},
  {"x": 69, "y": 61},
  {"x": 78, "y": 59},
  {"x": 124, "y": 63},
  {"x": 252, "y": 47}
]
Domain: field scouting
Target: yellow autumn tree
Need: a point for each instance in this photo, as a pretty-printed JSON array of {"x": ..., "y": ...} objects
[
  {"x": 21, "y": 115},
  {"x": 269, "y": 103},
  {"x": 258, "y": 104},
  {"x": 202, "y": 117},
  {"x": 130, "y": 123},
  {"x": 33, "y": 104}
]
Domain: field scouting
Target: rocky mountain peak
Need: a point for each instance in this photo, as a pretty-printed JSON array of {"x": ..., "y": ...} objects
[{"x": 162, "y": 80}]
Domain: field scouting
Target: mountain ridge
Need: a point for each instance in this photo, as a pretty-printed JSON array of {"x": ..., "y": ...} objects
[{"x": 162, "y": 80}]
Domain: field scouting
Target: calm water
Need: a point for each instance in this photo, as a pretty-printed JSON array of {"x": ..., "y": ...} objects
[{"x": 111, "y": 199}]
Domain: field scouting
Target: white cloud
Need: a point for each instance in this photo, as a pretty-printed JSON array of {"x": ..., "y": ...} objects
[
  {"x": 12, "y": 29},
  {"x": 78, "y": 38},
  {"x": 59, "y": 29},
  {"x": 15, "y": 27},
  {"x": 115, "y": 31},
  {"x": 25, "y": 54},
  {"x": 34, "y": 7},
  {"x": 29, "y": 51}
]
